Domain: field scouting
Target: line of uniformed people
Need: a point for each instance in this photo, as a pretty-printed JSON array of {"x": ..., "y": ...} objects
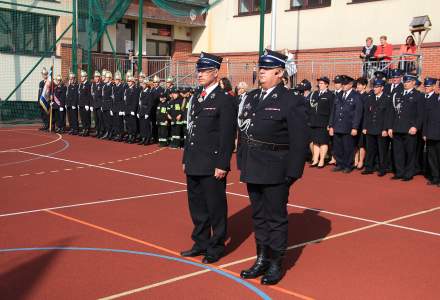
[
  {"x": 138, "y": 110},
  {"x": 391, "y": 128}
]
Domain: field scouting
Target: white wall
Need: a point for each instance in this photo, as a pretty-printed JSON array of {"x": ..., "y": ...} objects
[
  {"x": 340, "y": 25},
  {"x": 14, "y": 68}
]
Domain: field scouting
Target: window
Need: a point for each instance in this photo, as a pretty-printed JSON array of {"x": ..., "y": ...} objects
[
  {"x": 300, "y": 4},
  {"x": 250, "y": 7},
  {"x": 124, "y": 36},
  {"x": 26, "y": 33},
  {"x": 159, "y": 29},
  {"x": 361, "y": 1},
  {"x": 158, "y": 48}
]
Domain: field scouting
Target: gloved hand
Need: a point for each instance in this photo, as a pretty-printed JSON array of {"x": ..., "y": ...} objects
[
  {"x": 91, "y": 108},
  {"x": 73, "y": 107},
  {"x": 132, "y": 113},
  {"x": 121, "y": 113},
  {"x": 290, "y": 180},
  {"x": 87, "y": 107},
  {"x": 146, "y": 117},
  {"x": 61, "y": 108},
  {"x": 111, "y": 113}
]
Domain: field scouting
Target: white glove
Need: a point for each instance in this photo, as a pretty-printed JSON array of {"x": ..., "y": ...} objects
[
  {"x": 146, "y": 117},
  {"x": 91, "y": 108},
  {"x": 138, "y": 116},
  {"x": 123, "y": 113},
  {"x": 87, "y": 107},
  {"x": 132, "y": 113},
  {"x": 120, "y": 113},
  {"x": 73, "y": 107},
  {"x": 111, "y": 113},
  {"x": 101, "y": 109},
  {"x": 61, "y": 108}
]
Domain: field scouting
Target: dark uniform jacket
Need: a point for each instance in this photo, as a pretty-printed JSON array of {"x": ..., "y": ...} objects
[
  {"x": 185, "y": 102},
  {"x": 131, "y": 96},
  {"x": 119, "y": 103},
  {"x": 407, "y": 111},
  {"x": 59, "y": 91},
  {"x": 107, "y": 96},
  {"x": 346, "y": 114},
  {"x": 84, "y": 94},
  {"x": 375, "y": 113},
  {"x": 72, "y": 95},
  {"x": 320, "y": 108},
  {"x": 145, "y": 103},
  {"x": 396, "y": 89},
  {"x": 211, "y": 135},
  {"x": 431, "y": 120},
  {"x": 278, "y": 119},
  {"x": 97, "y": 95}
]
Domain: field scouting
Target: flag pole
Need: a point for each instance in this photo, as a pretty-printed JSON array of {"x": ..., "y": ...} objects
[{"x": 51, "y": 94}]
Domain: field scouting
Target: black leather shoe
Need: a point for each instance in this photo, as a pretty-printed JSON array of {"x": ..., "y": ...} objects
[
  {"x": 337, "y": 169},
  {"x": 407, "y": 178},
  {"x": 86, "y": 132},
  {"x": 433, "y": 182},
  {"x": 381, "y": 174},
  {"x": 395, "y": 177},
  {"x": 260, "y": 266},
  {"x": 104, "y": 136},
  {"x": 208, "y": 259},
  {"x": 275, "y": 272},
  {"x": 366, "y": 172},
  {"x": 74, "y": 132},
  {"x": 347, "y": 170},
  {"x": 193, "y": 253}
]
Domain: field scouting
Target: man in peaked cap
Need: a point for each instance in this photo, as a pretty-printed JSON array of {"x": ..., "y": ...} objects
[
  {"x": 119, "y": 106},
  {"x": 431, "y": 130},
  {"x": 96, "y": 106},
  {"x": 404, "y": 123},
  {"x": 396, "y": 82},
  {"x": 206, "y": 160},
  {"x": 72, "y": 103},
  {"x": 272, "y": 152},
  {"x": 344, "y": 125}
]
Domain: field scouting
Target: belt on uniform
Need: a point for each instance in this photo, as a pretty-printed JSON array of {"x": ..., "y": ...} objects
[{"x": 266, "y": 146}]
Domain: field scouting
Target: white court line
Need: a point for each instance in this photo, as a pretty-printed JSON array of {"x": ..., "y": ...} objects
[
  {"x": 231, "y": 193},
  {"x": 236, "y": 262},
  {"x": 89, "y": 203},
  {"x": 33, "y": 146}
]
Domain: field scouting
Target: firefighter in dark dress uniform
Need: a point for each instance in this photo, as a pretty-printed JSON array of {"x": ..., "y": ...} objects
[
  {"x": 344, "y": 124},
  {"x": 107, "y": 103},
  {"x": 97, "y": 104},
  {"x": 44, "y": 115},
  {"x": 59, "y": 104},
  {"x": 185, "y": 101},
  {"x": 144, "y": 113},
  {"x": 376, "y": 110},
  {"x": 272, "y": 156},
  {"x": 72, "y": 104},
  {"x": 131, "y": 97},
  {"x": 405, "y": 120},
  {"x": 84, "y": 101},
  {"x": 119, "y": 106},
  {"x": 206, "y": 160},
  {"x": 431, "y": 131}
]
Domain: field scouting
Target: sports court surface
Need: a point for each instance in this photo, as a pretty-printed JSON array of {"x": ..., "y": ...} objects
[{"x": 82, "y": 218}]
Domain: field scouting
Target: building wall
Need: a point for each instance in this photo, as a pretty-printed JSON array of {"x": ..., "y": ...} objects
[{"x": 340, "y": 25}]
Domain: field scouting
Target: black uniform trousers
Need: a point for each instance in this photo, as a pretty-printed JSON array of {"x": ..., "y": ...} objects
[
  {"x": 98, "y": 115},
  {"x": 377, "y": 151},
  {"x": 420, "y": 153},
  {"x": 404, "y": 149},
  {"x": 176, "y": 135},
  {"x": 61, "y": 119},
  {"x": 118, "y": 123},
  {"x": 208, "y": 208},
  {"x": 269, "y": 214},
  {"x": 131, "y": 123},
  {"x": 73, "y": 118},
  {"x": 54, "y": 118},
  {"x": 107, "y": 121},
  {"x": 162, "y": 134},
  {"x": 343, "y": 149},
  {"x": 145, "y": 128},
  {"x": 44, "y": 116},
  {"x": 433, "y": 148},
  {"x": 85, "y": 117}
]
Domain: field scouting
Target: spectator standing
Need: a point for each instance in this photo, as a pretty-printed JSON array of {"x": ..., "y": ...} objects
[
  {"x": 407, "y": 55},
  {"x": 384, "y": 53},
  {"x": 367, "y": 55}
]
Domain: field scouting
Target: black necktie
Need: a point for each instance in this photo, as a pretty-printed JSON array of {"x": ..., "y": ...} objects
[
  {"x": 263, "y": 93},
  {"x": 344, "y": 96}
]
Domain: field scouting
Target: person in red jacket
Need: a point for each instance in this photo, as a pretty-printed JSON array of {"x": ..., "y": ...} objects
[{"x": 383, "y": 54}]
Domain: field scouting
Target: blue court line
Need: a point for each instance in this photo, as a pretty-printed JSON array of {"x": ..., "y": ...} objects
[{"x": 260, "y": 293}]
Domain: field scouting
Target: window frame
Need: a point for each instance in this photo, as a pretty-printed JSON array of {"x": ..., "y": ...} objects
[
  {"x": 36, "y": 21},
  {"x": 295, "y": 8},
  {"x": 253, "y": 12}
]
